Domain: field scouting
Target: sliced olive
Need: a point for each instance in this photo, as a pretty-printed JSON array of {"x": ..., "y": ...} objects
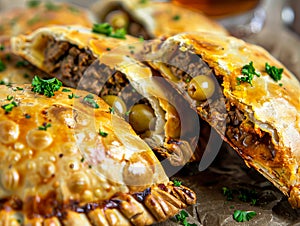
[
  {"x": 141, "y": 118},
  {"x": 201, "y": 87},
  {"x": 117, "y": 19},
  {"x": 116, "y": 103}
]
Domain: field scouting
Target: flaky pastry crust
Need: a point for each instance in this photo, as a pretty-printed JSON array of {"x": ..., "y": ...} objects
[{"x": 65, "y": 161}]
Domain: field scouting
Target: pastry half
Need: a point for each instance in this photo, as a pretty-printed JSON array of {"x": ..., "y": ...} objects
[
  {"x": 70, "y": 53},
  {"x": 65, "y": 52},
  {"x": 249, "y": 97},
  {"x": 150, "y": 19},
  {"x": 68, "y": 160}
]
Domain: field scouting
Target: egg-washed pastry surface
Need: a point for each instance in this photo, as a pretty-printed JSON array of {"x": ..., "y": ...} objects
[
  {"x": 68, "y": 160},
  {"x": 150, "y": 19},
  {"x": 70, "y": 53},
  {"x": 249, "y": 97},
  {"x": 65, "y": 51},
  {"x": 42, "y": 13}
]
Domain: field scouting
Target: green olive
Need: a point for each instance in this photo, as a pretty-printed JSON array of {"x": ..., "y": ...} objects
[
  {"x": 117, "y": 19},
  {"x": 141, "y": 118},
  {"x": 201, "y": 87},
  {"x": 116, "y": 103}
]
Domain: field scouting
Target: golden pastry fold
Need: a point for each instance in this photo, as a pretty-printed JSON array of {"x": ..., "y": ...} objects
[
  {"x": 68, "y": 160},
  {"x": 243, "y": 92}
]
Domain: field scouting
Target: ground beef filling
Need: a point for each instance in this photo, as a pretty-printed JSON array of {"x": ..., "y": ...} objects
[
  {"x": 236, "y": 128},
  {"x": 66, "y": 61}
]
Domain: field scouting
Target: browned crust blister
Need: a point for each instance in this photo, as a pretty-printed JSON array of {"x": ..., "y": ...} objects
[{"x": 49, "y": 178}]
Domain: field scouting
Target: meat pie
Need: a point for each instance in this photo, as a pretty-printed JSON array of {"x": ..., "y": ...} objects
[
  {"x": 249, "y": 97},
  {"x": 68, "y": 160}
]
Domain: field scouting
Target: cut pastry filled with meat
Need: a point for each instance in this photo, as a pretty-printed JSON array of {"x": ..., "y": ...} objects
[
  {"x": 150, "y": 19},
  {"x": 66, "y": 159},
  {"x": 249, "y": 97},
  {"x": 70, "y": 54}
]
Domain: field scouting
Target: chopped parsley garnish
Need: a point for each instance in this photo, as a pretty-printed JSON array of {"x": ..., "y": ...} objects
[
  {"x": 65, "y": 90},
  {"x": 8, "y": 57},
  {"x": 244, "y": 195},
  {"x": 248, "y": 71},
  {"x": 228, "y": 193},
  {"x": 45, "y": 86},
  {"x": 243, "y": 216},
  {"x": 2, "y": 66},
  {"x": 9, "y": 107},
  {"x": 5, "y": 83},
  {"x": 33, "y": 20},
  {"x": 89, "y": 99},
  {"x": 177, "y": 183},
  {"x": 274, "y": 72},
  {"x": 51, "y": 6},
  {"x": 21, "y": 63},
  {"x": 9, "y": 97},
  {"x": 107, "y": 29},
  {"x": 2, "y": 47},
  {"x": 26, "y": 75},
  {"x": 71, "y": 96},
  {"x": 82, "y": 159},
  {"x": 45, "y": 126},
  {"x": 108, "y": 49},
  {"x": 181, "y": 218},
  {"x": 119, "y": 33},
  {"x": 176, "y": 17},
  {"x": 102, "y": 134},
  {"x": 73, "y": 9},
  {"x": 111, "y": 110},
  {"x": 33, "y": 3},
  {"x": 19, "y": 88},
  {"x": 27, "y": 116},
  {"x": 141, "y": 38},
  {"x": 127, "y": 113},
  {"x": 143, "y": 1}
]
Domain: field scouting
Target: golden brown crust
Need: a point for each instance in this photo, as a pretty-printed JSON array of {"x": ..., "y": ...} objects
[
  {"x": 267, "y": 135},
  {"x": 57, "y": 167},
  {"x": 161, "y": 18},
  {"x": 25, "y": 20}
]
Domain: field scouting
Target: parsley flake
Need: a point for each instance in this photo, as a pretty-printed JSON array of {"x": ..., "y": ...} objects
[
  {"x": 274, "y": 72},
  {"x": 248, "y": 71},
  {"x": 2, "y": 66},
  {"x": 71, "y": 96},
  {"x": 177, "y": 183},
  {"x": 65, "y": 90},
  {"x": 45, "y": 126},
  {"x": 44, "y": 86},
  {"x": 111, "y": 110},
  {"x": 176, "y": 17},
  {"x": 89, "y": 99},
  {"x": 242, "y": 216},
  {"x": 181, "y": 218},
  {"x": 9, "y": 97},
  {"x": 2, "y": 47},
  {"x": 52, "y": 7},
  {"x": 102, "y": 134},
  {"x": 107, "y": 29},
  {"x": 8, "y": 107},
  {"x": 33, "y": 3}
]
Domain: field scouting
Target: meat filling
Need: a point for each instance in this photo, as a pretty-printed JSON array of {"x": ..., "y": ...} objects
[
  {"x": 66, "y": 62},
  {"x": 217, "y": 110}
]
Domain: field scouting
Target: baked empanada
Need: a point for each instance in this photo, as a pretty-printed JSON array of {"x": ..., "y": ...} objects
[
  {"x": 67, "y": 53},
  {"x": 150, "y": 19},
  {"x": 68, "y": 160},
  {"x": 42, "y": 13},
  {"x": 249, "y": 97}
]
